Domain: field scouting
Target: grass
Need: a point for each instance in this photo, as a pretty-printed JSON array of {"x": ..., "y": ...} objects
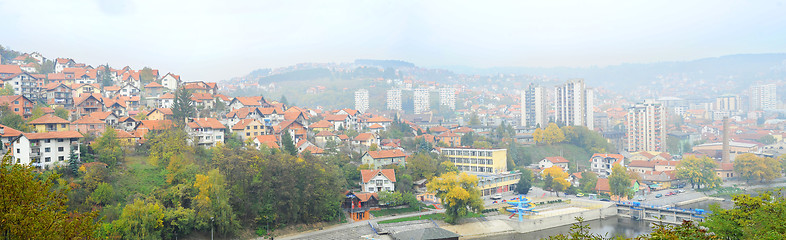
[
  {"x": 727, "y": 192},
  {"x": 139, "y": 177},
  {"x": 391, "y": 211},
  {"x": 433, "y": 216}
]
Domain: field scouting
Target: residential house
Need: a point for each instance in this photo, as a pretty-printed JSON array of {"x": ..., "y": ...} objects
[
  {"x": 49, "y": 123},
  {"x": 241, "y": 102},
  {"x": 295, "y": 128},
  {"x": 24, "y": 84},
  {"x": 602, "y": 163},
  {"x": 88, "y": 124},
  {"x": 376, "y": 128},
  {"x": 160, "y": 114},
  {"x": 107, "y": 117},
  {"x": 205, "y": 131},
  {"x": 378, "y": 180},
  {"x": 554, "y": 161},
  {"x": 118, "y": 107},
  {"x": 450, "y": 139},
  {"x": 359, "y": 204},
  {"x": 477, "y": 160},
  {"x": 59, "y": 94},
  {"x": 111, "y": 91},
  {"x": 154, "y": 90},
  {"x": 380, "y": 158},
  {"x": 87, "y": 103},
  {"x": 129, "y": 124},
  {"x": 203, "y": 100},
  {"x": 382, "y": 121},
  {"x": 46, "y": 150},
  {"x": 19, "y": 104},
  {"x": 166, "y": 101},
  {"x": 248, "y": 129},
  {"x": 170, "y": 81},
  {"x": 128, "y": 90},
  {"x": 320, "y": 126},
  {"x": 269, "y": 141},
  {"x": 366, "y": 139},
  {"x": 7, "y": 136},
  {"x": 63, "y": 63},
  {"x": 323, "y": 137},
  {"x": 339, "y": 122},
  {"x": 145, "y": 126}
]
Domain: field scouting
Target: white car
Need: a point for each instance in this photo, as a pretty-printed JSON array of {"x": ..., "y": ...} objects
[{"x": 496, "y": 196}]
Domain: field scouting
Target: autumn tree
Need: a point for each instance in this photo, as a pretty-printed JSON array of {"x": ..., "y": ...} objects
[
  {"x": 558, "y": 177},
  {"x": 211, "y": 204},
  {"x": 62, "y": 113},
  {"x": 166, "y": 144},
  {"x": 752, "y": 217},
  {"x": 588, "y": 181},
  {"x": 33, "y": 206},
  {"x": 552, "y": 134},
  {"x": 698, "y": 171},
  {"x": 287, "y": 144},
  {"x": 7, "y": 90},
  {"x": 752, "y": 167},
  {"x": 620, "y": 182},
  {"x": 141, "y": 220},
  {"x": 459, "y": 194},
  {"x": 108, "y": 147},
  {"x": 447, "y": 166},
  {"x": 422, "y": 165}
]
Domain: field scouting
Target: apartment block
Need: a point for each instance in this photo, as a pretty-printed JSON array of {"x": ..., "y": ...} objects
[
  {"x": 394, "y": 99},
  {"x": 421, "y": 100},
  {"x": 361, "y": 100},
  {"x": 475, "y": 160},
  {"x": 447, "y": 97},
  {"x": 533, "y": 106},
  {"x": 763, "y": 97},
  {"x": 646, "y": 124},
  {"x": 574, "y": 103}
]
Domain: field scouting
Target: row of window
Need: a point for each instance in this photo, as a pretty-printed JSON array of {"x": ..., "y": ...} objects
[
  {"x": 467, "y": 153},
  {"x": 472, "y": 161},
  {"x": 475, "y": 169}
]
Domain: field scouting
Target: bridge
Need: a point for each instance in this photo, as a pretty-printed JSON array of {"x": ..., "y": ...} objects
[{"x": 666, "y": 214}]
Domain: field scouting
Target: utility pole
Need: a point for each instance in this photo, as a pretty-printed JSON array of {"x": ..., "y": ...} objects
[{"x": 211, "y": 228}]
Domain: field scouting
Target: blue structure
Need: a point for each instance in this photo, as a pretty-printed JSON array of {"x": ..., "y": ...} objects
[{"x": 521, "y": 206}]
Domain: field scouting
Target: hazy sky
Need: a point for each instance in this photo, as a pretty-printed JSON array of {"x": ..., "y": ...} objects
[{"x": 216, "y": 40}]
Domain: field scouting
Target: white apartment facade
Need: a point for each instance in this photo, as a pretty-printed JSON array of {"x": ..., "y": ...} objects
[
  {"x": 533, "y": 106},
  {"x": 394, "y": 99},
  {"x": 447, "y": 97},
  {"x": 763, "y": 97},
  {"x": 421, "y": 100},
  {"x": 574, "y": 104},
  {"x": 645, "y": 127},
  {"x": 361, "y": 100},
  {"x": 45, "y": 150}
]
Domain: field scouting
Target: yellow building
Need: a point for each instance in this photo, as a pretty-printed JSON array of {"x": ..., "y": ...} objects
[
  {"x": 249, "y": 129},
  {"x": 476, "y": 160},
  {"x": 160, "y": 114},
  {"x": 50, "y": 123},
  {"x": 490, "y": 184}
]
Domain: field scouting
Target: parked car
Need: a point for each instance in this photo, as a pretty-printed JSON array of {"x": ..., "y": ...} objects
[
  {"x": 580, "y": 195},
  {"x": 496, "y": 196},
  {"x": 658, "y": 195},
  {"x": 680, "y": 191}
]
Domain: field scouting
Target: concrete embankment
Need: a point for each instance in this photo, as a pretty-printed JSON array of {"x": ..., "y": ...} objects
[
  {"x": 501, "y": 224},
  {"x": 701, "y": 199}
]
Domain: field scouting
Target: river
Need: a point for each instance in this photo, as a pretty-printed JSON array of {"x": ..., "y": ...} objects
[{"x": 613, "y": 226}]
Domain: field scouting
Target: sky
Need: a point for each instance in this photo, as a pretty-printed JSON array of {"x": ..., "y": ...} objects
[{"x": 218, "y": 40}]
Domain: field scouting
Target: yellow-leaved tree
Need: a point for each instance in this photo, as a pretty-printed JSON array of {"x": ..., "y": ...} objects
[
  {"x": 552, "y": 134},
  {"x": 752, "y": 167},
  {"x": 211, "y": 203},
  {"x": 698, "y": 171},
  {"x": 459, "y": 194},
  {"x": 558, "y": 179}
]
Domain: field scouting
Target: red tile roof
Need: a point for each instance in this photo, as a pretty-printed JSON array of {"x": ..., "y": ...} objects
[
  {"x": 321, "y": 124},
  {"x": 10, "y": 132},
  {"x": 369, "y": 174},
  {"x": 48, "y": 119},
  {"x": 334, "y": 118},
  {"x": 364, "y": 137},
  {"x": 155, "y": 124},
  {"x": 557, "y": 159},
  {"x": 13, "y": 69},
  {"x": 87, "y": 120},
  {"x": 378, "y": 119},
  {"x": 243, "y": 123},
  {"x": 386, "y": 154},
  {"x": 154, "y": 85},
  {"x": 54, "y": 135},
  {"x": 206, "y": 123},
  {"x": 269, "y": 140}
]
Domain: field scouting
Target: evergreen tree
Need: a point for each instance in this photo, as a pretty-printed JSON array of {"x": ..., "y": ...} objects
[
  {"x": 182, "y": 107},
  {"x": 286, "y": 142},
  {"x": 525, "y": 182}
]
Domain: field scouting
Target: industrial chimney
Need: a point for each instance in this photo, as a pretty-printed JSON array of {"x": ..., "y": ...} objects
[{"x": 725, "y": 157}]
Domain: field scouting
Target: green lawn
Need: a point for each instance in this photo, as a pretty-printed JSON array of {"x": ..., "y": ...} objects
[
  {"x": 385, "y": 212},
  {"x": 433, "y": 216}
]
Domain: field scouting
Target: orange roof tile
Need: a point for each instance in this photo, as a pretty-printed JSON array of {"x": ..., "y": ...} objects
[
  {"x": 206, "y": 123},
  {"x": 321, "y": 124},
  {"x": 49, "y": 119},
  {"x": 53, "y": 135},
  {"x": 10, "y": 132},
  {"x": 367, "y": 175},
  {"x": 269, "y": 140},
  {"x": 386, "y": 153},
  {"x": 87, "y": 120},
  {"x": 243, "y": 123}
]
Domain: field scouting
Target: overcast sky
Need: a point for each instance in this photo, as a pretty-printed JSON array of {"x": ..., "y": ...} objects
[{"x": 216, "y": 40}]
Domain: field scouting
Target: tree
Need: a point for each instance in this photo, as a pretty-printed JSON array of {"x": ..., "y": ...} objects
[
  {"x": 459, "y": 194},
  {"x": 552, "y": 134},
  {"x": 751, "y": 167},
  {"x": 288, "y": 144},
  {"x": 588, "y": 181},
  {"x": 422, "y": 165},
  {"x": 105, "y": 77},
  {"x": 37, "y": 112},
  {"x": 373, "y": 147},
  {"x": 525, "y": 182},
  {"x": 767, "y": 139},
  {"x": 146, "y": 76},
  {"x": 558, "y": 179},
  {"x": 447, "y": 166},
  {"x": 182, "y": 107},
  {"x": 13, "y": 120},
  {"x": 759, "y": 217},
  {"x": 211, "y": 204},
  {"x": 473, "y": 120},
  {"x": 103, "y": 194},
  {"x": 698, "y": 171},
  {"x": 33, "y": 206},
  {"x": 108, "y": 147},
  {"x": 619, "y": 182},
  {"x": 7, "y": 90},
  {"x": 62, "y": 113},
  {"x": 284, "y": 100},
  {"x": 468, "y": 139},
  {"x": 141, "y": 220}
]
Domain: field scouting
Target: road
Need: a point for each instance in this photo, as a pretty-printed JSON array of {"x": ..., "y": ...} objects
[{"x": 336, "y": 231}]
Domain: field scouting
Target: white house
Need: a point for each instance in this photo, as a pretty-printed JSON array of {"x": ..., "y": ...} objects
[
  {"x": 378, "y": 180},
  {"x": 45, "y": 150},
  {"x": 166, "y": 101},
  {"x": 171, "y": 81},
  {"x": 205, "y": 131},
  {"x": 129, "y": 90},
  {"x": 554, "y": 161},
  {"x": 602, "y": 163}
]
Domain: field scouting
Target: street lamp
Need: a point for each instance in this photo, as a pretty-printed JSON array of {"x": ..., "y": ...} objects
[{"x": 211, "y": 228}]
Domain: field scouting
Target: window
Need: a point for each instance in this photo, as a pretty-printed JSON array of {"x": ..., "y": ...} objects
[
  {"x": 16, "y": 102},
  {"x": 46, "y": 141},
  {"x": 60, "y": 140},
  {"x": 59, "y": 149},
  {"x": 60, "y": 158},
  {"x": 16, "y": 109},
  {"x": 387, "y": 188},
  {"x": 62, "y": 125},
  {"x": 47, "y": 150},
  {"x": 47, "y": 159},
  {"x": 379, "y": 182},
  {"x": 17, "y": 150},
  {"x": 370, "y": 189}
]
